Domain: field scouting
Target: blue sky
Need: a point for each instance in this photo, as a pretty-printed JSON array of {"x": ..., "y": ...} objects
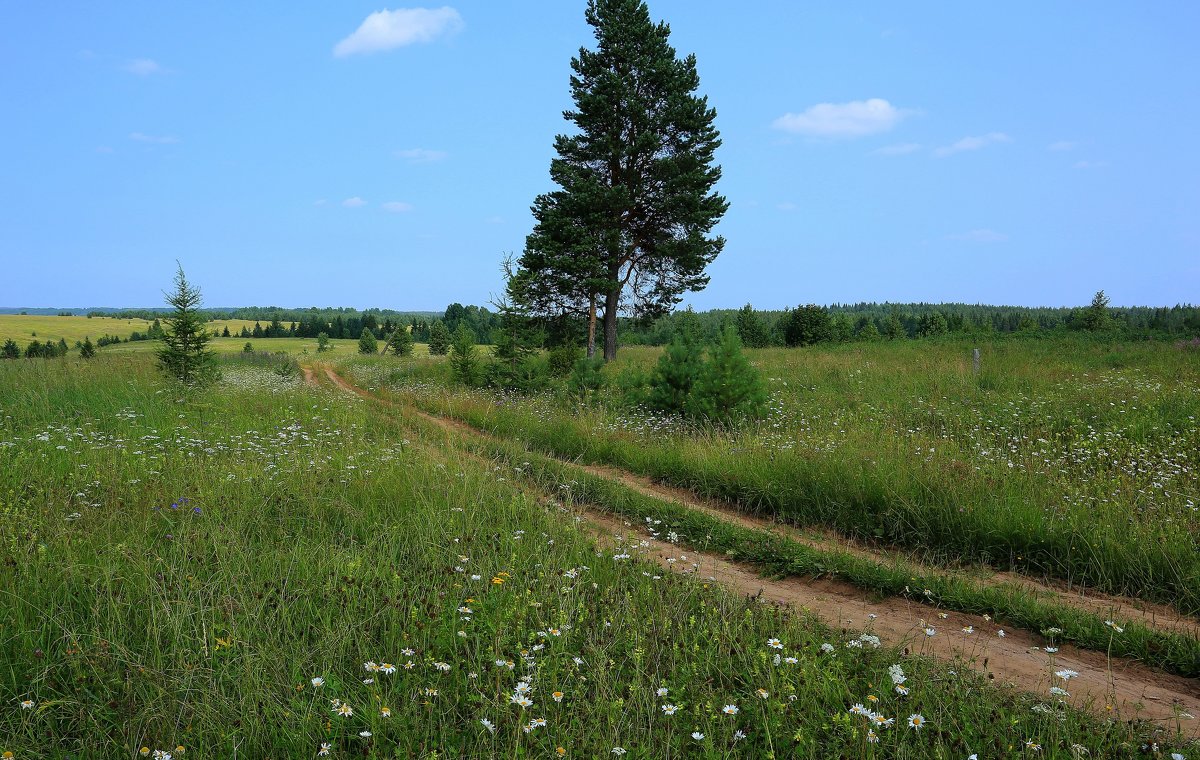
[{"x": 317, "y": 154}]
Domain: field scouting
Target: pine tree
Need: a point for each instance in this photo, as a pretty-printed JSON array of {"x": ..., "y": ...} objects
[
  {"x": 86, "y": 349},
  {"x": 868, "y": 331},
  {"x": 751, "y": 328},
  {"x": 728, "y": 389},
  {"x": 184, "y": 354},
  {"x": 367, "y": 344},
  {"x": 463, "y": 361},
  {"x": 1096, "y": 317},
  {"x": 439, "y": 338},
  {"x": 323, "y": 342},
  {"x": 225, "y": 332},
  {"x": 806, "y": 325},
  {"x": 676, "y": 374},
  {"x": 893, "y": 328},
  {"x": 400, "y": 342},
  {"x": 11, "y": 349},
  {"x": 631, "y": 219}
]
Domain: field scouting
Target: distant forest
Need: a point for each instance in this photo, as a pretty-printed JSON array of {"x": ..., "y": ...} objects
[{"x": 788, "y": 327}]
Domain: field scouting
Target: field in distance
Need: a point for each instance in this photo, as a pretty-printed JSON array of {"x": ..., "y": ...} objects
[{"x": 25, "y": 329}]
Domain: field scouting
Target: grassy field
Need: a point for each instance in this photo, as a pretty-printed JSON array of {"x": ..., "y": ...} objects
[
  {"x": 225, "y": 346},
  {"x": 1067, "y": 459},
  {"x": 24, "y": 329},
  {"x": 268, "y": 569}
]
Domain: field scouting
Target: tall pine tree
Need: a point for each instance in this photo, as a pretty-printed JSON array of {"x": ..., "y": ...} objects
[{"x": 628, "y": 228}]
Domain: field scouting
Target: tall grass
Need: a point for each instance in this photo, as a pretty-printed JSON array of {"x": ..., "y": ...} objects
[
  {"x": 1052, "y": 460},
  {"x": 177, "y": 571}
]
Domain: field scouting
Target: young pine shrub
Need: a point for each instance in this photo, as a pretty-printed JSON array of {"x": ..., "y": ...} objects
[
  {"x": 464, "y": 362},
  {"x": 367, "y": 344},
  {"x": 562, "y": 358},
  {"x": 400, "y": 342},
  {"x": 728, "y": 390},
  {"x": 439, "y": 339},
  {"x": 587, "y": 378},
  {"x": 86, "y": 349},
  {"x": 322, "y": 343},
  {"x": 676, "y": 374}
]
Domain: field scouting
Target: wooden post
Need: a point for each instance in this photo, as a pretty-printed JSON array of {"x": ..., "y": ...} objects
[{"x": 975, "y": 360}]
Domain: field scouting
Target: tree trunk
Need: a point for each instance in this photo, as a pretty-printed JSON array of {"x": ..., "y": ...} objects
[
  {"x": 591, "y": 334},
  {"x": 611, "y": 300}
]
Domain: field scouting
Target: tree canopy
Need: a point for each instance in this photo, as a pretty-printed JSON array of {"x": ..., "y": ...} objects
[{"x": 628, "y": 228}]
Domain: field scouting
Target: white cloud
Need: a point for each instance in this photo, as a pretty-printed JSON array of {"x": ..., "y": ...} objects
[
  {"x": 384, "y": 30},
  {"x": 972, "y": 143},
  {"x": 1090, "y": 164},
  {"x": 854, "y": 119},
  {"x": 156, "y": 139},
  {"x": 143, "y": 67},
  {"x": 421, "y": 155},
  {"x": 786, "y": 206},
  {"x": 980, "y": 236},
  {"x": 398, "y": 207},
  {"x": 901, "y": 149},
  {"x": 354, "y": 202},
  {"x": 494, "y": 220},
  {"x": 104, "y": 149},
  {"x": 1062, "y": 145},
  {"x": 319, "y": 202}
]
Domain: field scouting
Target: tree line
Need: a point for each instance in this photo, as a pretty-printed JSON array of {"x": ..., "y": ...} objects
[{"x": 812, "y": 324}]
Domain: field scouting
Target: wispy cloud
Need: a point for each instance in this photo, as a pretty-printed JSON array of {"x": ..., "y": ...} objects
[
  {"x": 854, "y": 119},
  {"x": 494, "y": 220},
  {"x": 155, "y": 139},
  {"x": 398, "y": 207},
  {"x": 354, "y": 202},
  {"x": 1062, "y": 145},
  {"x": 104, "y": 149},
  {"x": 143, "y": 67},
  {"x": 1090, "y": 164},
  {"x": 902, "y": 149},
  {"x": 319, "y": 202},
  {"x": 385, "y": 30},
  {"x": 420, "y": 155},
  {"x": 972, "y": 143},
  {"x": 980, "y": 236},
  {"x": 786, "y": 206}
]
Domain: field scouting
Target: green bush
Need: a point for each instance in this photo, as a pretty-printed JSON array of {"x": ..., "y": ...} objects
[
  {"x": 400, "y": 342},
  {"x": 464, "y": 362},
  {"x": 367, "y": 343},
  {"x": 728, "y": 389},
  {"x": 587, "y": 377},
  {"x": 561, "y": 359},
  {"x": 439, "y": 339},
  {"x": 676, "y": 374}
]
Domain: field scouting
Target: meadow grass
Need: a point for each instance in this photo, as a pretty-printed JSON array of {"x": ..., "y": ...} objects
[
  {"x": 24, "y": 328},
  {"x": 299, "y": 347},
  {"x": 1071, "y": 459},
  {"x": 221, "y": 572}
]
